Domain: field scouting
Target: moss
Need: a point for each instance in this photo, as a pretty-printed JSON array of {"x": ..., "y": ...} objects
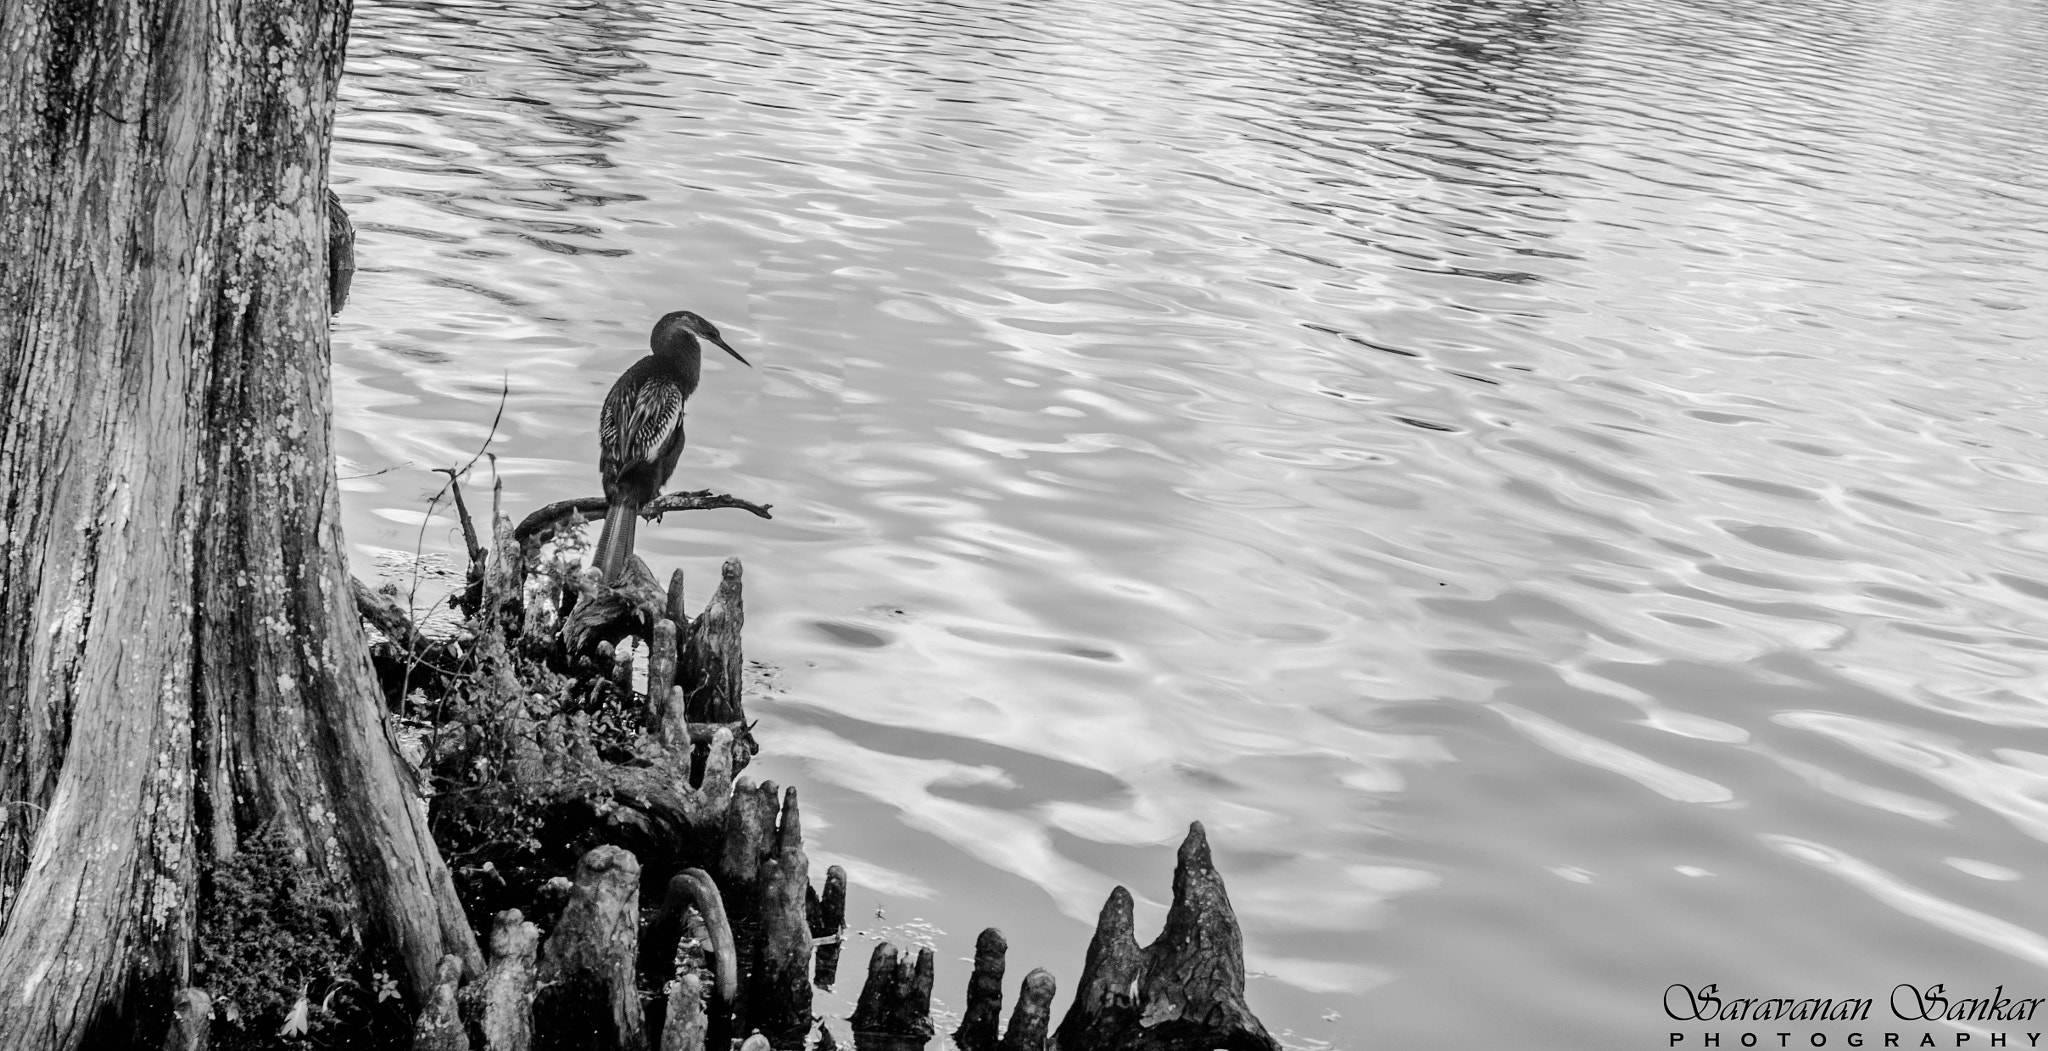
[{"x": 268, "y": 935}]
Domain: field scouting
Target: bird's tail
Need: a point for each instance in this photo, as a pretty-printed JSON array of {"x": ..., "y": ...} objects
[{"x": 615, "y": 544}]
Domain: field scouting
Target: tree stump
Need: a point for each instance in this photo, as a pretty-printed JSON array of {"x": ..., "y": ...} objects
[
  {"x": 779, "y": 996},
  {"x": 763, "y": 868},
  {"x": 828, "y": 925},
  {"x": 677, "y": 612},
  {"x": 606, "y": 612},
  {"x": 687, "y": 1021},
  {"x": 587, "y": 997},
  {"x": 1103, "y": 1002},
  {"x": 1189, "y": 982},
  {"x": 439, "y": 1027},
  {"x": 502, "y": 1000},
  {"x": 980, "y": 1023},
  {"x": 661, "y": 680},
  {"x": 712, "y": 666},
  {"x": 896, "y": 1000},
  {"x": 1034, "y": 1010}
]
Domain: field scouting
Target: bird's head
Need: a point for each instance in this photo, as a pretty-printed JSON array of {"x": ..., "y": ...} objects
[{"x": 680, "y": 330}]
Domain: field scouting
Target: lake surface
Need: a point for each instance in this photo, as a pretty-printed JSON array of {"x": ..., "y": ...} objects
[{"x": 1556, "y": 488}]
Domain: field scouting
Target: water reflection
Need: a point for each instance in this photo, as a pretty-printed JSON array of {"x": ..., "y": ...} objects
[{"x": 1553, "y": 486}]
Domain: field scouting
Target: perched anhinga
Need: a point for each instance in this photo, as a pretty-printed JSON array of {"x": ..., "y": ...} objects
[{"x": 640, "y": 430}]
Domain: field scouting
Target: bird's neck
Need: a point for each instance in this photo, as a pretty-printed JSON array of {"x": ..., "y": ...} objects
[{"x": 680, "y": 359}]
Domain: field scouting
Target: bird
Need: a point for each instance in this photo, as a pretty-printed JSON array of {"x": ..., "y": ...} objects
[{"x": 640, "y": 429}]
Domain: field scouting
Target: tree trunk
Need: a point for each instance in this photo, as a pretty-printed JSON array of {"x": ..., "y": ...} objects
[{"x": 180, "y": 658}]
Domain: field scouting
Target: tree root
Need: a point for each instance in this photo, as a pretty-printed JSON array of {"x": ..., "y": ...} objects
[{"x": 541, "y": 729}]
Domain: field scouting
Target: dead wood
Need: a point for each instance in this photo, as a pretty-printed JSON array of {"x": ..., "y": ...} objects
[
  {"x": 676, "y": 610},
  {"x": 777, "y": 994},
  {"x": 896, "y": 1000},
  {"x": 828, "y": 925},
  {"x": 694, "y": 889},
  {"x": 980, "y": 1022},
  {"x": 686, "y": 1020},
  {"x": 765, "y": 865},
  {"x": 439, "y": 1027},
  {"x": 1103, "y": 1002},
  {"x": 502, "y": 1000},
  {"x": 740, "y": 937},
  {"x": 1034, "y": 1008},
  {"x": 747, "y": 840},
  {"x": 661, "y": 673},
  {"x": 587, "y": 997},
  {"x": 604, "y": 613},
  {"x": 778, "y": 997},
  {"x": 1189, "y": 983},
  {"x": 479, "y": 559},
  {"x": 622, "y": 670},
  {"x": 653, "y": 809},
  {"x": 540, "y": 526},
  {"x": 711, "y": 667},
  {"x": 382, "y": 611}
]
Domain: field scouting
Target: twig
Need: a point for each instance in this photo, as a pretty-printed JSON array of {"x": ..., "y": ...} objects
[
  {"x": 412, "y": 593},
  {"x": 504, "y": 391},
  {"x": 373, "y": 474}
]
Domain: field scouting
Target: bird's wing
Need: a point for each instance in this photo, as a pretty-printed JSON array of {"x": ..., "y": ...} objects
[{"x": 650, "y": 421}]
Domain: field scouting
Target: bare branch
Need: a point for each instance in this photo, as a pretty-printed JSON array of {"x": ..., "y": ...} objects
[{"x": 542, "y": 524}]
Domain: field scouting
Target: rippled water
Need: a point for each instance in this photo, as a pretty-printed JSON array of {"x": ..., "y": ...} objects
[{"x": 1556, "y": 487}]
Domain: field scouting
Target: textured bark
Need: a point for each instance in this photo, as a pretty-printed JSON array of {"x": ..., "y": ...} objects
[
  {"x": 779, "y": 996},
  {"x": 896, "y": 999},
  {"x": 180, "y": 656},
  {"x": 711, "y": 666},
  {"x": 748, "y": 839},
  {"x": 1034, "y": 1010},
  {"x": 1185, "y": 990},
  {"x": 684, "y": 1029},
  {"x": 1103, "y": 1002},
  {"x": 766, "y": 876},
  {"x": 657, "y": 810},
  {"x": 980, "y": 1024},
  {"x": 439, "y": 1027},
  {"x": 828, "y": 926},
  {"x": 607, "y": 613},
  {"x": 503, "y": 1000},
  {"x": 661, "y": 676},
  {"x": 676, "y": 611},
  {"x": 587, "y": 996},
  {"x": 693, "y": 888},
  {"x": 1193, "y": 991}
]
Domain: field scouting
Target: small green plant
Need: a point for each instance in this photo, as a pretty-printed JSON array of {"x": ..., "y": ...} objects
[{"x": 270, "y": 944}]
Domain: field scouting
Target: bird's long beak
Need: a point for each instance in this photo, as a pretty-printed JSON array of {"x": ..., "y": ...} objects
[{"x": 729, "y": 350}]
